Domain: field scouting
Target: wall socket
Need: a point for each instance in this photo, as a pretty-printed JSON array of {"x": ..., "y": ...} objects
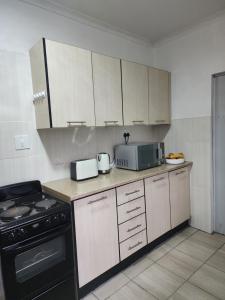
[{"x": 22, "y": 142}]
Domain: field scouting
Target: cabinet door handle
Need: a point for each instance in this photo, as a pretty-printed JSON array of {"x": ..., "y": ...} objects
[
  {"x": 178, "y": 173},
  {"x": 76, "y": 123},
  {"x": 97, "y": 200},
  {"x": 160, "y": 121},
  {"x": 138, "y": 121},
  {"x": 110, "y": 122},
  {"x": 134, "y": 209},
  {"x": 159, "y": 179},
  {"x": 133, "y": 228},
  {"x": 134, "y": 246},
  {"x": 134, "y": 192}
]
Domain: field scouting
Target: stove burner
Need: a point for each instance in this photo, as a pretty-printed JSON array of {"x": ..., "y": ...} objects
[
  {"x": 6, "y": 205},
  {"x": 45, "y": 204},
  {"x": 15, "y": 213}
]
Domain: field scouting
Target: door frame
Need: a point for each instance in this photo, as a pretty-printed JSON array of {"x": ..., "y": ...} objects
[{"x": 213, "y": 103}]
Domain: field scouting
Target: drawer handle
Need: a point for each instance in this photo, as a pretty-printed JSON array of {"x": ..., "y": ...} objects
[
  {"x": 134, "y": 209},
  {"x": 109, "y": 122},
  {"x": 159, "y": 179},
  {"x": 97, "y": 200},
  {"x": 136, "y": 245},
  {"x": 181, "y": 172},
  {"x": 133, "y": 228},
  {"x": 134, "y": 192}
]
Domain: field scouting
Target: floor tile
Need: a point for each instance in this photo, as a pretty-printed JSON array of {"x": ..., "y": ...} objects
[
  {"x": 191, "y": 292},
  {"x": 213, "y": 241},
  {"x": 138, "y": 267},
  {"x": 188, "y": 231},
  {"x": 89, "y": 297},
  {"x": 210, "y": 280},
  {"x": 195, "y": 249},
  {"x": 158, "y": 252},
  {"x": 158, "y": 281},
  {"x": 108, "y": 288},
  {"x": 177, "y": 239},
  {"x": 218, "y": 260},
  {"x": 179, "y": 263},
  {"x": 131, "y": 291}
]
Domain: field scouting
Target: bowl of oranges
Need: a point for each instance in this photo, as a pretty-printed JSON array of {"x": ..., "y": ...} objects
[{"x": 175, "y": 158}]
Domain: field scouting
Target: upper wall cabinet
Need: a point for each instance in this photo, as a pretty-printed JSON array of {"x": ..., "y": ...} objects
[
  {"x": 63, "y": 74},
  {"x": 107, "y": 90},
  {"x": 135, "y": 93},
  {"x": 159, "y": 97}
]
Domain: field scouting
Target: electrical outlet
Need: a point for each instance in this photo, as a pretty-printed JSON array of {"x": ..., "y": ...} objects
[{"x": 22, "y": 142}]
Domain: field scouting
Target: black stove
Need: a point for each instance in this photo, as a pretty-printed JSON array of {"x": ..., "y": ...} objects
[{"x": 36, "y": 245}]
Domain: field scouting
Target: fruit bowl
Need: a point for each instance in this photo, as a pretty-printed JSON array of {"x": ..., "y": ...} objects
[{"x": 174, "y": 161}]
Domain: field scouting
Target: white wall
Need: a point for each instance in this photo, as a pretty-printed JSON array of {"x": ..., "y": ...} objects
[
  {"x": 193, "y": 57},
  {"x": 22, "y": 25}
]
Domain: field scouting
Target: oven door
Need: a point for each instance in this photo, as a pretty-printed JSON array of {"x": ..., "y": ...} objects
[{"x": 31, "y": 268}]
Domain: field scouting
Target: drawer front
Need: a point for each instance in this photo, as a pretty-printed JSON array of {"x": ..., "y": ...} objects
[
  {"x": 130, "y": 191},
  {"x": 179, "y": 172},
  {"x": 133, "y": 244},
  {"x": 132, "y": 227},
  {"x": 131, "y": 209}
]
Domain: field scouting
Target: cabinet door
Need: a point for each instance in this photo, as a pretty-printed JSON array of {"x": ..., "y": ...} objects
[
  {"x": 96, "y": 235},
  {"x": 159, "y": 96},
  {"x": 107, "y": 90},
  {"x": 70, "y": 85},
  {"x": 157, "y": 206},
  {"x": 135, "y": 93},
  {"x": 179, "y": 196}
]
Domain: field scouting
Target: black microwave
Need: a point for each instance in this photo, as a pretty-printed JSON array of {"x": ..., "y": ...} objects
[{"x": 139, "y": 156}]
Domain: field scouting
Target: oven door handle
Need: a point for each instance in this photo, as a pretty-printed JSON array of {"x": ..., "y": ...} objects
[{"x": 18, "y": 248}]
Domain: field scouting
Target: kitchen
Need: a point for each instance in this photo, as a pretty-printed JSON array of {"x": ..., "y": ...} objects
[{"x": 191, "y": 55}]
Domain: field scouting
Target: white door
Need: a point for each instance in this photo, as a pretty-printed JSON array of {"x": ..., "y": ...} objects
[
  {"x": 219, "y": 150},
  {"x": 157, "y": 206},
  {"x": 70, "y": 84},
  {"x": 96, "y": 235},
  {"x": 135, "y": 93},
  {"x": 107, "y": 90},
  {"x": 179, "y": 196},
  {"x": 159, "y": 96}
]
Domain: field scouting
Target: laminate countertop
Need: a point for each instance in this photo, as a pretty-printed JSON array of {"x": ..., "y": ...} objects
[{"x": 69, "y": 190}]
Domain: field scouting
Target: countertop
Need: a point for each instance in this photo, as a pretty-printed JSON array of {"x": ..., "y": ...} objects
[{"x": 69, "y": 190}]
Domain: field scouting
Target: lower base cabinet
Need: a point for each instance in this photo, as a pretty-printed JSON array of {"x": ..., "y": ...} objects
[
  {"x": 133, "y": 244},
  {"x": 179, "y": 196},
  {"x": 157, "y": 206},
  {"x": 96, "y": 235}
]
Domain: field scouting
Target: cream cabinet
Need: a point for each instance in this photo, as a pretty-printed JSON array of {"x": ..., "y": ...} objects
[
  {"x": 135, "y": 93},
  {"x": 96, "y": 235},
  {"x": 159, "y": 96},
  {"x": 157, "y": 206},
  {"x": 107, "y": 90},
  {"x": 179, "y": 196},
  {"x": 64, "y": 77}
]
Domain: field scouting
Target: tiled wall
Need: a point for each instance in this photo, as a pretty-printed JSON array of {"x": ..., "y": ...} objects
[
  {"x": 193, "y": 137},
  {"x": 51, "y": 150}
]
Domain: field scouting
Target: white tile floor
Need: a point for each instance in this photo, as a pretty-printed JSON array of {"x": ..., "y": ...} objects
[{"x": 191, "y": 265}]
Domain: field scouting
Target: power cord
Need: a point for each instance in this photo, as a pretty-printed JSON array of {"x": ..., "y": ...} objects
[{"x": 126, "y": 136}]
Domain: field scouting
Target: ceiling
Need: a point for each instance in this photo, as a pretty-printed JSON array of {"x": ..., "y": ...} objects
[{"x": 151, "y": 20}]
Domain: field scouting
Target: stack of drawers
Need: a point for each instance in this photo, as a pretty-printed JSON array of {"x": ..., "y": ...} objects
[{"x": 131, "y": 218}]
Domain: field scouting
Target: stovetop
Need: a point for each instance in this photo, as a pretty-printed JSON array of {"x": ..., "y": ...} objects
[{"x": 25, "y": 201}]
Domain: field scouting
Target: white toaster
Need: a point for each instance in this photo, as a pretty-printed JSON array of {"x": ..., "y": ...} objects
[{"x": 83, "y": 169}]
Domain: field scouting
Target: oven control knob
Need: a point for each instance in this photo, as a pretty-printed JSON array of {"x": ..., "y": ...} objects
[
  {"x": 63, "y": 217},
  {"x": 48, "y": 222},
  {"x": 56, "y": 219},
  {"x": 12, "y": 236},
  {"x": 20, "y": 233}
]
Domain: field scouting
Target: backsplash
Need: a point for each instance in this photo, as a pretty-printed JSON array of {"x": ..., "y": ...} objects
[{"x": 51, "y": 150}]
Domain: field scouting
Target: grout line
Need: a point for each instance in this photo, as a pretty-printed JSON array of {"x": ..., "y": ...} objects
[{"x": 144, "y": 288}]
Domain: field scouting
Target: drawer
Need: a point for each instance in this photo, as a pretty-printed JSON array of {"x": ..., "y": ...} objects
[
  {"x": 131, "y": 209},
  {"x": 133, "y": 244},
  {"x": 179, "y": 172},
  {"x": 130, "y": 191},
  {"x": 132, "y": 227}
]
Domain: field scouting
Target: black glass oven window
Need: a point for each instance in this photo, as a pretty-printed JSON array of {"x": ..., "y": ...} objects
[{"x": 39, "y": 259}]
